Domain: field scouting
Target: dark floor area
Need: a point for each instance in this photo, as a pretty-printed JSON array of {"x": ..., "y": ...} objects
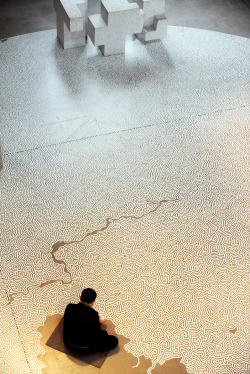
[{"x": 19, "y": 17}]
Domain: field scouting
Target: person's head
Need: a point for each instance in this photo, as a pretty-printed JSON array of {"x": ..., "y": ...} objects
[{"x": 88, "y": 296}]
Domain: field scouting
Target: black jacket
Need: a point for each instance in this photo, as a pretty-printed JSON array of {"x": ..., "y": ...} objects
[{"x": 81, "y": 325}]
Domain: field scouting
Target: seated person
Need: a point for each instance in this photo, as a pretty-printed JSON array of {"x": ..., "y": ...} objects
[{"x": 82, "y": 326}]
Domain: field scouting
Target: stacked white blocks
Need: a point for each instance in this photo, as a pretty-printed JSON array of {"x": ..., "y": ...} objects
[
  {"x": 71, "y": 19},
  {"x": 155, "y": 24},
  {"x": 117, "y": 19},
  {"x": 107, "y": 30}
]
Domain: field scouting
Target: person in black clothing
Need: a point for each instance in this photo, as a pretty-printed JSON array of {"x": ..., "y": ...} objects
[{"x": 82, "y": 326}]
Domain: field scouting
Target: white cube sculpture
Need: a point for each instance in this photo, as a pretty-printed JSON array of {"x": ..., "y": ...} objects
[
  {"x": 155, "y": 24},
  {"x": 71, "y": 18},
  {"x": 108, "y": 30}
]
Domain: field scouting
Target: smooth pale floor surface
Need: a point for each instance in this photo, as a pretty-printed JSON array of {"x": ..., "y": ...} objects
[{"x": 127, "y": 174}]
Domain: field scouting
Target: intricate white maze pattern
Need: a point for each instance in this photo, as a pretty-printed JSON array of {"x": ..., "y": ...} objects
[
  {"x": 168, "y": 276},
  {"x": 58, "y": 245},
  {"x": 145, "y": 202}
]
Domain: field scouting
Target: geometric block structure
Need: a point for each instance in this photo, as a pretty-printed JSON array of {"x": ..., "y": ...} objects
[
  {"x": 108, "y": 30},
  {"x": 155, "y": 24},
  {"x": 71, "y": 19}
]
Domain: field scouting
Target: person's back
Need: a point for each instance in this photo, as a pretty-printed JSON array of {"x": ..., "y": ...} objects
[
  {"x": 81, "y": 325},
  {"x": 82, "y": 328}
]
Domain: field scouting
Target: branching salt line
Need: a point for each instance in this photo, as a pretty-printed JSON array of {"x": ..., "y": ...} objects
[{"x": 58, "y": 245}]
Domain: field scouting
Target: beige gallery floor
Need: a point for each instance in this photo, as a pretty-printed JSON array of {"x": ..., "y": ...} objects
[{"x": 128, "y": 174}]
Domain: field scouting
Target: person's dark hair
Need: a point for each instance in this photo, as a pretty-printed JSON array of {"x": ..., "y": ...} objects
[{"x": 88, "y": 295}]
